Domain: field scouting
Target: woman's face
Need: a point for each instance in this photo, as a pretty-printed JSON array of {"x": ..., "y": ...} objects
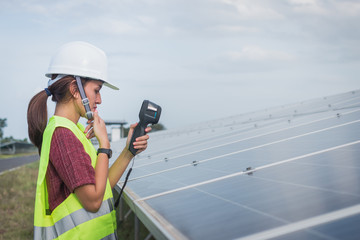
[{"x": 92, "y": 90}]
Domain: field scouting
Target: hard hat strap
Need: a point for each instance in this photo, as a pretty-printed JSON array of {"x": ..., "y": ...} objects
[
  {"x": 84, "y": 99},
  {"x": 58, "y": 77}
]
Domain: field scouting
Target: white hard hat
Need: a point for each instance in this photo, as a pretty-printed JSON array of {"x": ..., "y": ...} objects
[{"x": 80, "y": 59}]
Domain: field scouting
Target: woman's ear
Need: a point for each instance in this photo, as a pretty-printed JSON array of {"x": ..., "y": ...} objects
[{"x": 74, "y": 90}]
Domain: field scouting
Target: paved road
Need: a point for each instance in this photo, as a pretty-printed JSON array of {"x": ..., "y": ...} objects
[{"x": 9, "y": 163}]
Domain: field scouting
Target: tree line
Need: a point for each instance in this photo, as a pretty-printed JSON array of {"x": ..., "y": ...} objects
[{"x": 3, "y": 139}]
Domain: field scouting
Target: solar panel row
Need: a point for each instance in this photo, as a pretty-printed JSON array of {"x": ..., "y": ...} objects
[{"x": 290, "y": 172}]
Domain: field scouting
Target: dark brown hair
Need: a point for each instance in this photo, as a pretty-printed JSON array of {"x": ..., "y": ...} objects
[{"x": 37, "y": 114}]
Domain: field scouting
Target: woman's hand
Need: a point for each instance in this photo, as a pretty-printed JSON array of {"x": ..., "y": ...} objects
[
  {"x": 140, "y": 143},
  {"x": 97, "y": 128},
  {"x": 89, "y": 130}
]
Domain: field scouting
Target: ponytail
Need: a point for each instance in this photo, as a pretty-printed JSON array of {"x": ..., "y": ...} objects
[{"x": 37, "y": 118}]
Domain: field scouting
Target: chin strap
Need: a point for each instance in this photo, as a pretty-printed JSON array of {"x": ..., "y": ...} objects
[{"x": 84, "y": 99}]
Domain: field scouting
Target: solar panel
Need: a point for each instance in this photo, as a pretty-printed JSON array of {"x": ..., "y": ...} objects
[{"x": 290, "y": 172}]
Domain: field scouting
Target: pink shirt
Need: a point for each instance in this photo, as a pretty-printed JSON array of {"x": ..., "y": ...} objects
[{"x": 69, "y": 166}]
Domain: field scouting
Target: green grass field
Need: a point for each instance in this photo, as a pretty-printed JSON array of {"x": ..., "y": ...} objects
[{"x": 17, "y": 198}]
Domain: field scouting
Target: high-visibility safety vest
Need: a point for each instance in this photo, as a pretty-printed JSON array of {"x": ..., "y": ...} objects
[{"x": 70, "y": 220}]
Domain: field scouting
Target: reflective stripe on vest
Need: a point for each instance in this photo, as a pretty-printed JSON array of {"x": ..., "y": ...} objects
[{"x": 71, "y": 221}]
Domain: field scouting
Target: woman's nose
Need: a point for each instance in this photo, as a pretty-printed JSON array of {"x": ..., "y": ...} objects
[{"x": 98, "y": 98}]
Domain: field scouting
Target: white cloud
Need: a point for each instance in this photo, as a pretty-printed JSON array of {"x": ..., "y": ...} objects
[
  {"x": 250, "y": 9},
  {"x": 348, "y": 8},
  {"x": 36, "y": 9},
  {"x": 233, "y": 29},
  {"x": 110, "y": 26},
  {"x": 309, "y": 6},
  {"x": 332, "y": 8},
  {"x": 146, "y": 20},
  {"x": 172, "y": 31},
  {"x": 256, "y": 53},
  {"x": 58, "y": 8}
]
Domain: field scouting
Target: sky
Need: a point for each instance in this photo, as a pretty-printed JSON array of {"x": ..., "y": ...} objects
[{"x": 198, "y": 59}]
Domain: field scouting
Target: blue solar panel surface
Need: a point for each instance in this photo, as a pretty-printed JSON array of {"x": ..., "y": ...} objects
[{"x": 290, "y": 172}]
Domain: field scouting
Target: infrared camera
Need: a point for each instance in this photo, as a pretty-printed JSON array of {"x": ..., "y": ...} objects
[{"x": 149, "y": 114}]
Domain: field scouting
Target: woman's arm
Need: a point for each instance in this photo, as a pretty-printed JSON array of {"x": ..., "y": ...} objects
[
  {"x": 121, "y": 163},
  {"x": 91, "y": 196}
]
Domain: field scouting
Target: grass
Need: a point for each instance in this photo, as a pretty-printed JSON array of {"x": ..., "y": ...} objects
[{"x": 17, "y": 199}]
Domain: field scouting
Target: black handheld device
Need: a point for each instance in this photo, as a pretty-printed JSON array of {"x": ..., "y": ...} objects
[{"x": 149, "y": 114}]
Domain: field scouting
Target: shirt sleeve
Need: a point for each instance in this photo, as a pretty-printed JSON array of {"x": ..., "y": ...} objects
[{"x": 70, "y": 160}]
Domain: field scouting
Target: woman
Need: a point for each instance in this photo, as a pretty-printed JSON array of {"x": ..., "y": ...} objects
[{"x": 73, "y": 197}]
